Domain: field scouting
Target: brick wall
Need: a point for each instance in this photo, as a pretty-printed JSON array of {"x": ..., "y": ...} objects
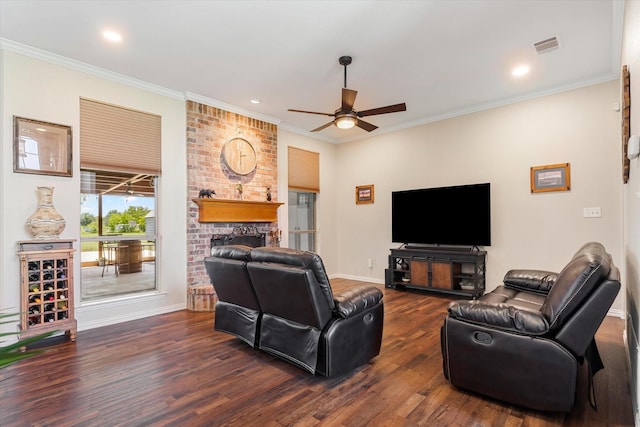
[{"x": 208, "y": 129}]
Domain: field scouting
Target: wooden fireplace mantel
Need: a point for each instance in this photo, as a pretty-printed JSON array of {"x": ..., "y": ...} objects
[{"x": 220, "y": 210}]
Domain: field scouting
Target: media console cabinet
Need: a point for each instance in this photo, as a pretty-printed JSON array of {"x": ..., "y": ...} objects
[{"x": 444, "y": 270}]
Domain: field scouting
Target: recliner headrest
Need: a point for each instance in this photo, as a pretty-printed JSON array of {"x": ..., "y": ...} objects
[
  {"x": 590, "y": 266},
  {"x": 298, "y": 258},
  {"x": 237, "y": 252}
]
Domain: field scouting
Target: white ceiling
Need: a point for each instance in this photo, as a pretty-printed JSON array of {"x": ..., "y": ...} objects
[{"x": 443, "y": 58}]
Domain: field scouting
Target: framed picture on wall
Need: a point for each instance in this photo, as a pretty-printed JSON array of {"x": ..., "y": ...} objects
[
  {"x": 41, "y": 148},
  {"x": 364, "y": 194},
  {"x": 550, "y": 178}
]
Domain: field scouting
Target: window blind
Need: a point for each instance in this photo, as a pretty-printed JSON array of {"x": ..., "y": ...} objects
[
  {"x": 114, "y": 138},
  {"x": 304, "y": 170}
]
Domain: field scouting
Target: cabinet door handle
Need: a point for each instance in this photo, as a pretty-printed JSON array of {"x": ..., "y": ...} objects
[{"x": 48, "y": 247}]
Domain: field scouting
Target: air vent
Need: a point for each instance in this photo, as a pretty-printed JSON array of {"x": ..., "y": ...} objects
[{"x": 546, "y": 45}]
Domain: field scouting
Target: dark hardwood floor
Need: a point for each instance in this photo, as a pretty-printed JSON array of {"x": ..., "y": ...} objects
[{"x": 174, "y": 370}]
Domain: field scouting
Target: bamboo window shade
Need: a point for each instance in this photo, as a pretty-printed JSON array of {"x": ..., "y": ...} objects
[
  {"x": 118, "y": 139},
  {"x": 304, "y": 170}
]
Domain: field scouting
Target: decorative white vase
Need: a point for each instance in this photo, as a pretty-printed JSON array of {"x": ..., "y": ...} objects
[{"x": 45, "y": 222}]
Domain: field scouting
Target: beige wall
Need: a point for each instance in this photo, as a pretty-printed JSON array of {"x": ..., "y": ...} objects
[
  {"x": 499, "y": 146},
  {"x": 42, "y": 90},
  {"x": 631, "y": 234}
]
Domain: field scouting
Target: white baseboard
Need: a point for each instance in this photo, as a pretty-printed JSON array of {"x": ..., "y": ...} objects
[
  {"x": 376, "y": 280},
  {"x": 92, "y": 316}
]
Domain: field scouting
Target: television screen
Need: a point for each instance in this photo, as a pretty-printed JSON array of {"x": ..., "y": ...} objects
[{"x": 449, "y": 216}]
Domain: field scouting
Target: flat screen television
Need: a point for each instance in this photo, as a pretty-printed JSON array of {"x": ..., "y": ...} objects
[{"x": 445, "y": 216}]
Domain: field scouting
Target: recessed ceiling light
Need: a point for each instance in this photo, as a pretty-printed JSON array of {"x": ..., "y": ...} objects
[
  {"x": 112, "y": 36},
  {"x": 520, "y": 71},
  {"x": 255, "y": 101}
]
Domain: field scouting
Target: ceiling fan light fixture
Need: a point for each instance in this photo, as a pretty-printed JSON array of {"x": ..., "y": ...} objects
[
  {"x": 346, "y": 117},
  {"x": 346, "y": 122}
]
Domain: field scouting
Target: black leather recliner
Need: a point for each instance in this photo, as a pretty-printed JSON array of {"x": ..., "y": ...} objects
[
  {"x": 299, "y": 318},
  {"x": 237, "y": 309},
  {"x": 523, "y": 342}
]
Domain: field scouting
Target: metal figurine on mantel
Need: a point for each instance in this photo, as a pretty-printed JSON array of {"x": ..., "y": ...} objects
[
  {"x": 275, "y": 236},
  {"x": 240, "y": 190},
  {"x": 268, "y": 194},
  {"x": 206, "y": 193}
]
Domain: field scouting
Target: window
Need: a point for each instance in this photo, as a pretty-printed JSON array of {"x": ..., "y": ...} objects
[
  {"x": 118, "y": 234},
  {"x": 120, "y": 166},
  {"x": 302, "y": 220},
  {"x": 304, "y": 183}
]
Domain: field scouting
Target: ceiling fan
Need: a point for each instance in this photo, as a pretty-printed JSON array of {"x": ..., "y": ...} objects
[
  {"x": 346, "y": 117},
  {"x": 129, "y": 191}
]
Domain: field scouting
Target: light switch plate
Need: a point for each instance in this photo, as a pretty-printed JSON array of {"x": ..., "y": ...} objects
[{"x": 592, "y": 213}]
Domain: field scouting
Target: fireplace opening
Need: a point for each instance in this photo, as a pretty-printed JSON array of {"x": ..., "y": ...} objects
[{"x": 244, "y": 235}]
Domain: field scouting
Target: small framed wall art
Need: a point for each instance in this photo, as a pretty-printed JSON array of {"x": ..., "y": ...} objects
[
  {"x": 41, "y": 148},
  {"x": 550, "y": 178},
  {"x": 364, "y": 194}
]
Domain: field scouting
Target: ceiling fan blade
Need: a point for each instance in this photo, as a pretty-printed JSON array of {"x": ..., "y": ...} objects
[
  {"x": 348, "y": 99},
  {"x": 383, "y": 110},
  {"x": 311, "y": 112},
  {"x": 322, "y": 127},
  {"x": 366, "y": 125}
]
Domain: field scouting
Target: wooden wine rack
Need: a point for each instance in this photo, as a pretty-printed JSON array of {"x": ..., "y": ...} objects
[{"x": 46, "y": 276}]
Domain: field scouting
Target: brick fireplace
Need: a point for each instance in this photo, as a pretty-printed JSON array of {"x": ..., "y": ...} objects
[{"x": 208, "y": 129}]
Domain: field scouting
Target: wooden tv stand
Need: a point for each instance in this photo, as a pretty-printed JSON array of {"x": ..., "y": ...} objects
[{"x": 444, "y": 270}]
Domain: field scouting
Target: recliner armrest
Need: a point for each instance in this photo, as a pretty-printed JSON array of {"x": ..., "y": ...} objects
[
  {"x": 501, "y": 316},
  {"x": 357, "y": 300},
  {"x": 538, "y": 281}
]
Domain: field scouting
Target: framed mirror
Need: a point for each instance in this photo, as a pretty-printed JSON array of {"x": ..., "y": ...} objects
[{"x": 41, "y": 148}]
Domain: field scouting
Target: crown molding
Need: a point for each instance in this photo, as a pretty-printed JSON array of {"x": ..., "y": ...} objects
[
  {"x": 43, "y": 55},
  {"x": 63, "y": 61},
  {"x": 190, "y": 96},
  {"x": 307, "y": 133}
]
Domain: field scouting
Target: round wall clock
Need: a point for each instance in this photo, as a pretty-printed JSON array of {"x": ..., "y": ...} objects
[{"x": 239, "y": 156}]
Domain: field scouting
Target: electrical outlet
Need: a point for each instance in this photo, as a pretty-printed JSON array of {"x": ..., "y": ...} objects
[
  {"x": 369, "y": 263},
  {"x": 592, "y": 213}
]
